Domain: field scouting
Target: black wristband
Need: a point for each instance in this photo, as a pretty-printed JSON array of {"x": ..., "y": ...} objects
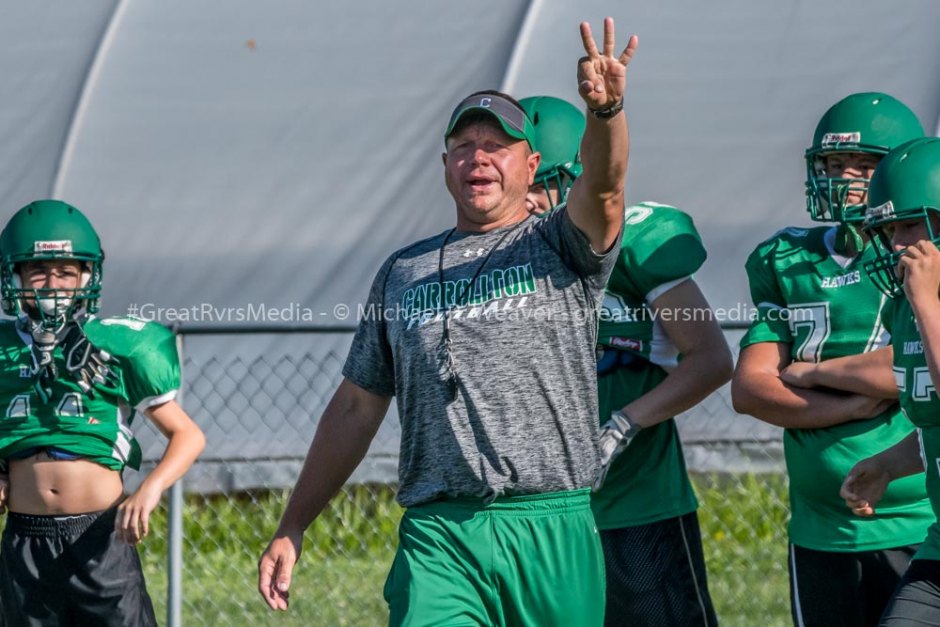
[{"x": 609, "y": 112}]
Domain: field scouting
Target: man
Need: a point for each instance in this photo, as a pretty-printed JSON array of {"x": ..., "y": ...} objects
[
  {"x": 815, "y": 303},
  {"x": 488, "y": 360},
  {"x": 660, "y": 351},
  {"x": 70, "y": 386}
]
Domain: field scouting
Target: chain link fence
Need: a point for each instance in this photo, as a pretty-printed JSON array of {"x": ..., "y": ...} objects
[{"x": 259, "y": 415}]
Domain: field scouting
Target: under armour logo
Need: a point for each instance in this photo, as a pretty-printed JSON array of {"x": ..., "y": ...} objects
[{"x": 479, "y": 252}]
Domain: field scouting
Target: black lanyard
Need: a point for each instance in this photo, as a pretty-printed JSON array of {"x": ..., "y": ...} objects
[{"x": 447, "y": 351}]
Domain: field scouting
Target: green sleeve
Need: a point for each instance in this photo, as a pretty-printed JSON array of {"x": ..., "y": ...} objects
[
  {"x": 768, "y": 325},
  {"x": 152, "y": 370},
  {"x": 370, "y": 363},
  {"x": 659, "y": 251}
]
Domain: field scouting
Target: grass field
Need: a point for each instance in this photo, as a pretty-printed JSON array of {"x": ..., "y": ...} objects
[{"x": 348, "y": 551}]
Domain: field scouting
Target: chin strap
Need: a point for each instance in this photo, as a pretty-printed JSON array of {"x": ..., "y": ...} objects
[{"x": 849, "y": 242}]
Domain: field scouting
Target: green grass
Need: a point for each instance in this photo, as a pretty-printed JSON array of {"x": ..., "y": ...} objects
[
  {"x": 347, "y": 553},
  {"x": 349, "y": 550},
  {"x": 743, "y": 519}
]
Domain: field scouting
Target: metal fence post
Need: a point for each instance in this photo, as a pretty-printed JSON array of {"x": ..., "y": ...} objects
[{"x": 174, "y": 589}]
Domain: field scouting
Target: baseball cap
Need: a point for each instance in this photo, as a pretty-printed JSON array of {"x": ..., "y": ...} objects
[{"x": 510, "y": 116}]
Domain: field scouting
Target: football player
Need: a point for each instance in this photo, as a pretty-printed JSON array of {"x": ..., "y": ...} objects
[
  {"x": 660, "y": 352},
  {"x": 558, "y": 126},
  {"x": 905, "y": 214},
  {"x": 70, "y": 384},
  {"x": 816, "y": 303}
]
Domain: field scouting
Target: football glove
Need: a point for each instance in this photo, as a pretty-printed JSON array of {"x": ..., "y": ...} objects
[{"x": 616, "y": 435}]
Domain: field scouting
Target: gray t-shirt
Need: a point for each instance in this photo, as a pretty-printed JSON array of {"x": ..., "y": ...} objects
[{"x": 525, "y": 416}]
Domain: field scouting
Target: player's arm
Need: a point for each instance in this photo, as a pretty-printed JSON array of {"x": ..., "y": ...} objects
[
  {"x": 920, "y": 267},
  {"x": 348, "y": 425},
  {"x": 186, "y": 442},
  {"x": 595, "y": 203},
  {"x": 706, "y": 359},
  {"x": 867, "y": 481},
  {"x": 758, "y": 390},
  {"x": 869, "y": 374}
]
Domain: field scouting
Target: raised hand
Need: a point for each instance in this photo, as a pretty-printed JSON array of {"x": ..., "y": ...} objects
[
  {"x": 602, "y": 77},
  {"x": 920, "y": 267}
]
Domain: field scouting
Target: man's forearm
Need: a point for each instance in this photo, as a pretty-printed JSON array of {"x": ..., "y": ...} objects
[
  {"x": 767, "y": 398},
  {"x": 181, "y": 452},
  {"x": 688, "y": 384},
  {"x": 903, "y": 459},
  {"x": 341, "y": 442},
  {"x": 596, "y": 201},
  {"x": 605, "y": 150},
  {"x": 868, "y": 373}
]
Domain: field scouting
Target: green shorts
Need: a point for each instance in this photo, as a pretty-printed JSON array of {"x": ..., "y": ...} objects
[{"x": 523, "y": 560}]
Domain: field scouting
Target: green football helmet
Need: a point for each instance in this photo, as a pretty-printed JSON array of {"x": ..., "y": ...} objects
[
  {"x": 905, "y": 186},
  {"x": 872, "y": 123},
  {"x": 559, "y": 126},
  {"x": 49, "y": 229}
]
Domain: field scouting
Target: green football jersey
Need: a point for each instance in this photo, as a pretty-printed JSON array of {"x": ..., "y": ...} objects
[
  {"x": 823, "y": 305},
  {"x": 920, "y": 403},
  {"x": 648, "y": 482},
  {"x": 145, "y": 360}
]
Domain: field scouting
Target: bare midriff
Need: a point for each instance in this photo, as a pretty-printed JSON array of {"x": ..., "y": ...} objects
[{"x": 40, "y": 485}]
